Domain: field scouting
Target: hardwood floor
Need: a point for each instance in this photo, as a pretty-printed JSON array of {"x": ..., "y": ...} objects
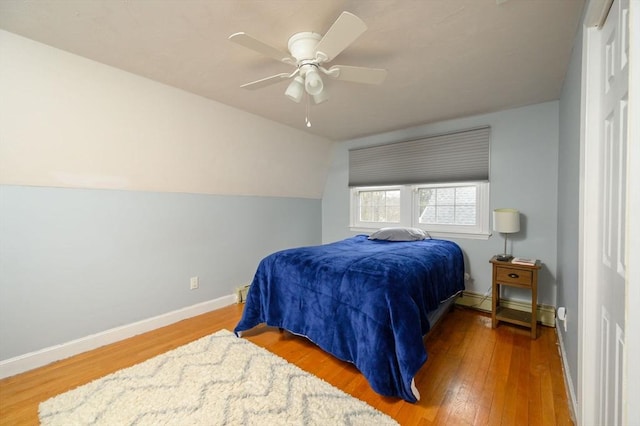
[{"x": 474, "y": 375}]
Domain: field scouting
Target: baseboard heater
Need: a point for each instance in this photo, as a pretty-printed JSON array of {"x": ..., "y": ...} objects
[{"x": 241, "y": 293}]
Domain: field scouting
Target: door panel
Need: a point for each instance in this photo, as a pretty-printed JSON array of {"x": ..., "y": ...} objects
[{"x": 611, "y": 193}]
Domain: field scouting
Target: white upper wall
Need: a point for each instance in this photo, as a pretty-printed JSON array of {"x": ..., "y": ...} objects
[{"x": 66, "y": 121}]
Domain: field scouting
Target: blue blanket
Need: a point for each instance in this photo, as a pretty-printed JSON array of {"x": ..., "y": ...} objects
[{"x": 364, "y": 301}]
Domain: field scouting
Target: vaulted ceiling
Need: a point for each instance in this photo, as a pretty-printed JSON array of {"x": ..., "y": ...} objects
[{"x": 445, "y": 58}]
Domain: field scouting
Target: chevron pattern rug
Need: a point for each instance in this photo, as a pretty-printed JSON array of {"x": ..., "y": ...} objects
[{"x": 217, "y": 380}]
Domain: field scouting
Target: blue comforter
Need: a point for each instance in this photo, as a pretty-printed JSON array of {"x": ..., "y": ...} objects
[{"x": 364, "y": 301}]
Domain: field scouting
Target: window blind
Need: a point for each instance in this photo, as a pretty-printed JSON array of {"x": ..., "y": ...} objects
[{"x": 451, "y": 157}]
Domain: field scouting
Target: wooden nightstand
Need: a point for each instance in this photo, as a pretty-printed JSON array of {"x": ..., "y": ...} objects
[{"x": 513, "y": 275}]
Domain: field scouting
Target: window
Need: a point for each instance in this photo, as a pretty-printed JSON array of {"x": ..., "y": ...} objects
[
  {"x": 438, "y": 183},
  {"x": 444, "y": 210},
  {"x": 376, "y": 207},
  {"x": 381, "y": 206},
  {"x": 447, "y": 205}
]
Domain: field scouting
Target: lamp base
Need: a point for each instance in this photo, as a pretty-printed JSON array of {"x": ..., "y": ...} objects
[{"x": 503, "y": 257}]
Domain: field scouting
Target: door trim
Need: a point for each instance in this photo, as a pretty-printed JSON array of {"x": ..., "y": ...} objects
[{"x": 589, "y": 213}]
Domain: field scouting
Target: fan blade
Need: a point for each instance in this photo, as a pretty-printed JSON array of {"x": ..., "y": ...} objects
[
  {"x": 267, "y": 81},
  {"x": 244, "y": 39},
  {"x": 347, "y": 28},
  {"x": 358, "y": 74}
]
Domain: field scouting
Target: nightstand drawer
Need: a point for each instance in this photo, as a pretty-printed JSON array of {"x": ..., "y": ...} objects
[{"x": 513, "y": 276}]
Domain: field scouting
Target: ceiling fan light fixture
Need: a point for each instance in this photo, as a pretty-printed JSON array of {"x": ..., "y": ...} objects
[
  {"x": 309, "y": 52},
  {"x": 321, "y": 97},
  {"x": 313, "y": 82},
  {"x": 295, "y": 89}
]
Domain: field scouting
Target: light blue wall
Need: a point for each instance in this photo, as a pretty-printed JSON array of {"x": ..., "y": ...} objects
[
  {"x": 81, "y": 260},
  {"x": 74, "y": 262},
  {"x": 569, "y": 204},
  {"x": 524, "y": 167}
]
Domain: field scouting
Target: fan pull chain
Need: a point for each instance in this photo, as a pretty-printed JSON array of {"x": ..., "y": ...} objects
[{"x": 306, "y": 117}]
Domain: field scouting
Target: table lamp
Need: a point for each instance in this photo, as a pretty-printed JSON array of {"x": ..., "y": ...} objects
[{"x": 506, "y": 221}]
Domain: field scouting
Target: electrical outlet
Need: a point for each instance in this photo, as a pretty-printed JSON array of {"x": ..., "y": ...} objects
[
  {"x": 562, "y": 316},
  {"x": 195, "y": 283}
]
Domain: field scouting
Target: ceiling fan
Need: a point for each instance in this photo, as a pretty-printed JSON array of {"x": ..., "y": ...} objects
[{"x": 308, "y": 52}]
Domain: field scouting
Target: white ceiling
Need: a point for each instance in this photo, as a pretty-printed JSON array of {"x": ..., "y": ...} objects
[{"x": 445, "y": 58}]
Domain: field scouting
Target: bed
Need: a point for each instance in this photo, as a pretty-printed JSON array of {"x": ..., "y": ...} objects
[{"x": 365, "y": 301}]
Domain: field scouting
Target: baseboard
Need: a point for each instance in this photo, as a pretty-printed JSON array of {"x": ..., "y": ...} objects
[
  {"x": 482, "y": 302},
  {"x": 31, "y": 360},
  {"x": 568, "y": 382}
]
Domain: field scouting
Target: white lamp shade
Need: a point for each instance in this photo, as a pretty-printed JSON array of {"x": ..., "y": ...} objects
[
  {"x": 506, "y": 220},
  {"x": 321, "y": 97},
  {"x": 313, "y": 83},
  {"x": 295, "y": 89}
]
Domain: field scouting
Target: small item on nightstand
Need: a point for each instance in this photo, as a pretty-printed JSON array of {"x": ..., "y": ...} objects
[{"x": 523, "y": 261}]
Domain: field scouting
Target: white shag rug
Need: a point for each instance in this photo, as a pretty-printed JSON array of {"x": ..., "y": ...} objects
[{"x": 218, "y": 380}]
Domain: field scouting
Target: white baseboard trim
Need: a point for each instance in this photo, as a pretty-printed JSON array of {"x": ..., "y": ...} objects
[
  {"x": 31, "y": 360},
  {"x": 567, "y": 377},
  {"x": 482, "y": 302}
]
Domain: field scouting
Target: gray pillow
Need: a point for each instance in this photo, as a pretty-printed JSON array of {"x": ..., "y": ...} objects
[{"x": 399, "y": 234}]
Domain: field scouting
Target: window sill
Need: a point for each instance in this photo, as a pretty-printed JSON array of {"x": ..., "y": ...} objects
[{"x": 433, "y": 234}]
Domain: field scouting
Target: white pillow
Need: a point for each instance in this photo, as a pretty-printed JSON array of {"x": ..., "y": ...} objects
[{"x": 399, "y": 234}]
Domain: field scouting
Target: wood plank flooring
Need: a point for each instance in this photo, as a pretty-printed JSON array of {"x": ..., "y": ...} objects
[{"x": 474, "y": 375}]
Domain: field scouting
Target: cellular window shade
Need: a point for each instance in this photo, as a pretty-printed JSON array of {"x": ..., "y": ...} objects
[{"x": 452, "y": 157}]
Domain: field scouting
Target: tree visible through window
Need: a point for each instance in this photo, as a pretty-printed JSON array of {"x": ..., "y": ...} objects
[{"x": 379, "y": 206}]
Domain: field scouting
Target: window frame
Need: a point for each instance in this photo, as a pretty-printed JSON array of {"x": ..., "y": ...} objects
[
  {"x": 409, "y": 211},
  {"x": 356, "y": 223}
]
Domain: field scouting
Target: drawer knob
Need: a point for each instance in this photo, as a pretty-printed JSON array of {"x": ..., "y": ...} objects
[{"x": 512, "y": 275}]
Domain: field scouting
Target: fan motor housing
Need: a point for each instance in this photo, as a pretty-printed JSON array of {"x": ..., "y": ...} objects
[{"x": 302, "y": 46}]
